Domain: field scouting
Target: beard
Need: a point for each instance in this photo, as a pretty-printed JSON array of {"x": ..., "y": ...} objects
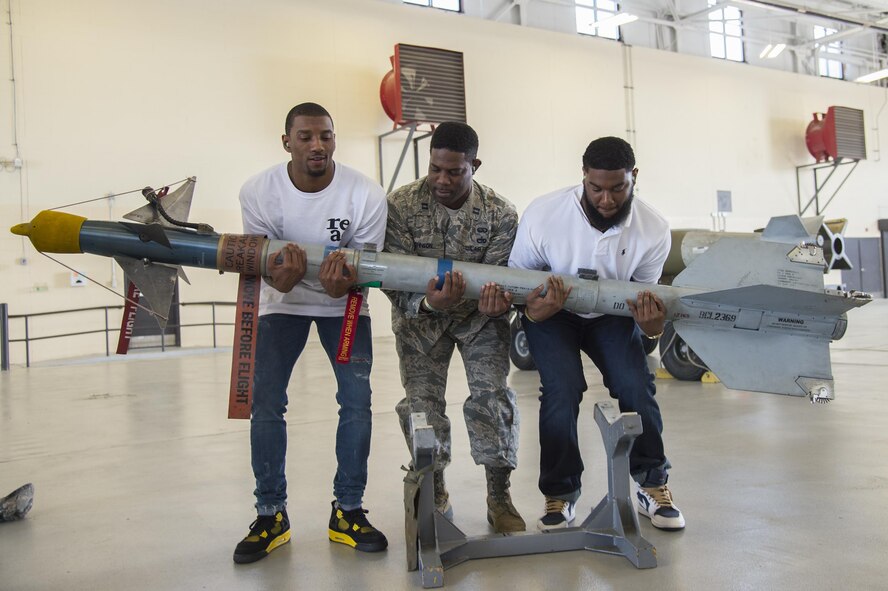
[
  {"x": 317, "y": 172},
  {"x": 602, "y": 223}
]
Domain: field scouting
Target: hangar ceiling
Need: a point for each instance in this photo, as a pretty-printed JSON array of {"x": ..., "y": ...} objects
[{"x": 851, "y": 35}]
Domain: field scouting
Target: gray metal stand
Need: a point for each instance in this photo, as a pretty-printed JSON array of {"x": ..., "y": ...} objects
[
  {"x": 411, "y": 129},
  {"x": 612, "y": 527}
]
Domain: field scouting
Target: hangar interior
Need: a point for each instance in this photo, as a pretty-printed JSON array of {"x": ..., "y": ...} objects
[{"x": 143, "y": 483}]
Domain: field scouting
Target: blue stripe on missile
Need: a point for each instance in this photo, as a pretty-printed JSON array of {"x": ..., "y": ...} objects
[
  {"x": 444, "y": 266},
  {"x": 186, "y": 248}
]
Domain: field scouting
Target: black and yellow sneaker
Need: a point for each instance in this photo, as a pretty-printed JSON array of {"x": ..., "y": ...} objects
[
  {"x": 353, "y": 529},
  {"x": 266, "y": 533}
]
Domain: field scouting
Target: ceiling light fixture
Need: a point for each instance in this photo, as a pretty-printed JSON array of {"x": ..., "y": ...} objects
[
  {"x": 873, "y": 76},
  {"x": 772, "y": 51},
  {"x": 623, "y": 18},
  {"x": 778, "y": 49}
]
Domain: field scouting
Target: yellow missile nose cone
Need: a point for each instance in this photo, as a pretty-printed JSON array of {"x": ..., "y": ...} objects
[
  {"x": 21, "y": 229},
  {"x": 52, "y": 231}
]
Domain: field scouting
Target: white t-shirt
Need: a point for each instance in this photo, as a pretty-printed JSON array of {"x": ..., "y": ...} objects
[
  {"x": 555, "y": 233},
  {"x": 350, "y": 212}
]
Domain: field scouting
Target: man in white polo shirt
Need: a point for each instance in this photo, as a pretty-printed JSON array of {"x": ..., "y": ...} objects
[{"x": 598, "y": 225}]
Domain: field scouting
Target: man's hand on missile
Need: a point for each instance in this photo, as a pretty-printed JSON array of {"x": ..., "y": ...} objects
[
  {"x": 449, "y": 295},
  {"x": 286, "y": 267},
  {"x": 649, "y": 312},
  {"x": 540, "y": 307},
  {"x": 494, "y": 301},
  {"x": 336, "y": 275}
]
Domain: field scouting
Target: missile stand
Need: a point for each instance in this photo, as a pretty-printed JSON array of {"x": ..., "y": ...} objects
[{"x": 435, "y": 544}]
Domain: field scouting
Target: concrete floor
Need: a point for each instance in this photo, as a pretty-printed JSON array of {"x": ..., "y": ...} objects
[{"x": 142, "y": 483}]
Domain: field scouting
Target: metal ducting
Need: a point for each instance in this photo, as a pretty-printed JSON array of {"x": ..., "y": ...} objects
[
  {"x": 425, "y": 85},
  {"x": 836, "y": 135}
]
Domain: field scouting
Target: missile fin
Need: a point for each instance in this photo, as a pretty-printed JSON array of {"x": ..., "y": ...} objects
[
  {"x": 789, "y": 229},
  {"x": 177, "y": 204},
  {"x": 777, "y": 299},
  {"x": 148, "y": 233},
  {"x": 739, "y": 262},
  {"x": 750, "y": 360},
  {"x": 830, "y": 234},
  {"x": 812, "y": 225},
  {"x": 156, "y": 282}
]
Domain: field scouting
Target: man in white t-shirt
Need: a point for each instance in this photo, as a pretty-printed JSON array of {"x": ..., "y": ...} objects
[
  {"x": 598, "y": 225},
  {"x": 313, "y": 200}
]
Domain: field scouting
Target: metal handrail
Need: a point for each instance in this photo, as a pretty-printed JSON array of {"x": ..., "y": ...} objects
[{"x": 5, "y": 318}]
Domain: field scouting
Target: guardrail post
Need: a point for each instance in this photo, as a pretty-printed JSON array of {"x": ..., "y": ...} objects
[
  {"x": 107, "y": 335},
  {"x": 4, "y": 337},
  {"x": 27, "y": 345}
]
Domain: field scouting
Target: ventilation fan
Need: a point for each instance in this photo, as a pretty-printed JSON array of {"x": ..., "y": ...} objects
[
  {"x": 838, "y": 134},
  {"x": 425, "y": 85}
]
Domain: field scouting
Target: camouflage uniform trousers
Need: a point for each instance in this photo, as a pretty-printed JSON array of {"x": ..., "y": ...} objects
[{"x": 490, "y": 411}]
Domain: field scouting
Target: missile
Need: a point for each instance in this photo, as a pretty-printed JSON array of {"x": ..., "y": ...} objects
[
  {"x": 754, "y": 309},
  {"x": 687, "y": 244}
]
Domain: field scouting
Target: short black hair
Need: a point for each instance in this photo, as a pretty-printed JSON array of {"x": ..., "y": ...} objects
[
  {"x": 305, "y": 110},
  {"x": 609, "y": 153},
  {"x": 456, "y": 136}
]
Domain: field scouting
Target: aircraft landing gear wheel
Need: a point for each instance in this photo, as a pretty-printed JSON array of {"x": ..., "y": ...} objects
[
  {"x": 679, "y": 359},
  {"x": 519, "y": 352}
]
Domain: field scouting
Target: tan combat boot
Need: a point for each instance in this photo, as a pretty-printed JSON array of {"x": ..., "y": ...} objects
[
  {"x": 442, "y": 497},
  {"x": 501, "y": 513}
]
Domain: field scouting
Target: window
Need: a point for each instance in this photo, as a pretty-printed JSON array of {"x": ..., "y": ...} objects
[
  {"x": 453, "y": 5},
  {"x": 826, "y": 66},
  {"x": 592, "y": 12},
  {"x": 726, "y": 33}
]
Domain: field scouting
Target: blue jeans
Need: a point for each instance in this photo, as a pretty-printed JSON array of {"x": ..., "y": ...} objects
[
  {"x": 613, "y": 343},
  {"x": 280, "y": 341}
]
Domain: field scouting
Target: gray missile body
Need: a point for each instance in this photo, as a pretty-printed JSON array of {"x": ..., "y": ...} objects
[
  {"x": 688, "y": 244},
  {"x": 755, "y": 310}
]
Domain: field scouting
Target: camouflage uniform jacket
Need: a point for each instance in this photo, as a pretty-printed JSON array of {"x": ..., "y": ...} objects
[{"x": 483, "y": 231}]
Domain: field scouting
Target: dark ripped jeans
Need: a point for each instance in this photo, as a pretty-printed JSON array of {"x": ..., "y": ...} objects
[
  {"x": 281, "y": 340},
  {"x": 613, "y": 343}
]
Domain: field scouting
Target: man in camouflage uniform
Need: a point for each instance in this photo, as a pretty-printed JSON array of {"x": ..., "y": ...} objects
[{"x": 449, "y": 216}]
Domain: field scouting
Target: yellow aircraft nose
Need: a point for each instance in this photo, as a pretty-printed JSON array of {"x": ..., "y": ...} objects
[
  {"x": 21, "y": 229},
  {"x": 52, "y": 231}
]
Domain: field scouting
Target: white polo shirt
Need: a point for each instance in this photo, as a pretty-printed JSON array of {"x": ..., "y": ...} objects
[{"x": 554, "y": 233}]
